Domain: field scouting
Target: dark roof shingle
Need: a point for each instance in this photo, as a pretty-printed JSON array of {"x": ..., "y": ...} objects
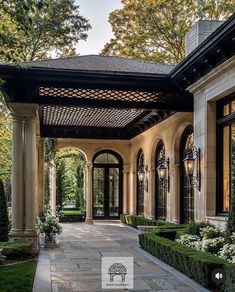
[{"x": 102, "y": 63}]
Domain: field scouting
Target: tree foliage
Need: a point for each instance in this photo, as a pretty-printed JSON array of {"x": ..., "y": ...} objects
[
  {"x": 154, "y": 30},
  {"x": 5, "y": 141},
  {"x": 70, "y": 177},
  {"x": 36, "y": 29},
  {"x": 4, "y": 221}
]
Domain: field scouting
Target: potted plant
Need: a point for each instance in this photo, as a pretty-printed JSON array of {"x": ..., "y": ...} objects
[{"x": 49, "y": 225}]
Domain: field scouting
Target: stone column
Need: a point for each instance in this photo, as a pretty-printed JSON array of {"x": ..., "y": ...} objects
[
  {"x": 17, "y": 176},
  {"x": 126, "y": 171},
  {"x": 40, "y": 176},
  {"x": 89, "y": 217},
  {"x": 52, "y": 183},
  {"x": 175, "y": 192},
  {"x": 133, "y": 192},
  {"x": 30, "y": 175}
]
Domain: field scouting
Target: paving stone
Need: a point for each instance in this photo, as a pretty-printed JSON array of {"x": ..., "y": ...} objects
[{"x": 76, "y": 264}]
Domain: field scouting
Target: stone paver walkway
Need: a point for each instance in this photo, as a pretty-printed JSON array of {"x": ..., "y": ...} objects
[{"x": 76, "y": 264}]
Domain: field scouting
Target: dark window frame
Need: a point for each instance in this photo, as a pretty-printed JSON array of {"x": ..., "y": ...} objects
[
  {"x": 140, "y": 153},
  {"x": 221, "y": 122},
  {"x": 187, "y": 131},
  {"x": 106, "y": 167},
  {"x": 159, "y": 215}
]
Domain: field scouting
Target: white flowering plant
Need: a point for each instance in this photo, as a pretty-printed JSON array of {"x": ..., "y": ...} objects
[
  {"x": 227, "y": 253},
  {"x": 48, "y": 224},
  {"x": 212, "y": 245},
  {"x": 210, "y": 232},
  {"x": 211, "y": 239},
  {"x": 190, "y": 240}
]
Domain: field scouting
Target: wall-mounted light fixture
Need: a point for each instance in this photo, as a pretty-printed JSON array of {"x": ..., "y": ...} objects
[
  {"x": 142, "y": 176},
  {"x": 191, "y": 161},
  {"x": 163, "y": 171}
]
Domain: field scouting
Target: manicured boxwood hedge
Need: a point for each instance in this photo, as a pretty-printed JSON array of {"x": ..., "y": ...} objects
[
  {"x": 195, "y": 264},
  {"x": 134, "y": 221},
  {"x": 72, "y": 215},
  {"x": 16, "y": 249}
]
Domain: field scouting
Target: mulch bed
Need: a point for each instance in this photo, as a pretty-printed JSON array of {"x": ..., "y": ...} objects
[{"x": 18, "y": 260}]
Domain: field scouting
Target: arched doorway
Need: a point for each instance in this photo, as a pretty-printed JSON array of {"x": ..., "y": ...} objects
[
  {"x": 140, "y": 185},
  {"x": 187, "y": 189},
  {"x": 161, "y": 188},
  {"x": 107, "y": 185}
]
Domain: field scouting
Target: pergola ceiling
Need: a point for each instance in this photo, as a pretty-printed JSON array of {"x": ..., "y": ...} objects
[{"x": 87, "y": 117}]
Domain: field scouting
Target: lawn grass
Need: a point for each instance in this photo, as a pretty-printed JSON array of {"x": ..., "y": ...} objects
[
  {"x": 72, "y": 212},
  {"x": 18, "y": 277}
]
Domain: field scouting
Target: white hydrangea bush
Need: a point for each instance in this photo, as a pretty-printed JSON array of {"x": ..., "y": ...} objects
[
  {"x": 211, "y": 240},
  {"x": 227, "y": 253},
  {"x": 212, "y": 245},
  {"x": 190, "y": 240},
  {"x": 210, "y": 232}
]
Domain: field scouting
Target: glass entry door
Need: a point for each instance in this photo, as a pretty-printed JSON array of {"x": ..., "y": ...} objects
[
  {"x": 99, "y": 192},
  {"x": 106, "y": 192}
]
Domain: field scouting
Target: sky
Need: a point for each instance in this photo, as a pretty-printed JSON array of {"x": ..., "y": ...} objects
[{"x": 97, "y": 12}]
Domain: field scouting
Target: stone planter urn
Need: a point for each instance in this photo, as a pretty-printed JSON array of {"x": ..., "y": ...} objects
[{"x": 50, "y": 240}]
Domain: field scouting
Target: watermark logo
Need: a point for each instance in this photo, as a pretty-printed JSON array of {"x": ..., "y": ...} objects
[{"x": 117, "y": 273}]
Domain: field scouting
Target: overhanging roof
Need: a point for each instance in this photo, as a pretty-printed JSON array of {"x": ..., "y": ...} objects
[
  {"x": 99, "y": 102},
  {"x": 110, "y": 97}
]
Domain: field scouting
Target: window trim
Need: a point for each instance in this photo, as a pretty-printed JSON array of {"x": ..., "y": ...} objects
[{"x": 221, "y": 123}]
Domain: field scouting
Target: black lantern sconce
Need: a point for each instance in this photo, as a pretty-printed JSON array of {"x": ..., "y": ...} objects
[
  {"x": 191, "y": 161},
  {"x": 142, "y": 177},
  {"x": 163, "y": 171}
]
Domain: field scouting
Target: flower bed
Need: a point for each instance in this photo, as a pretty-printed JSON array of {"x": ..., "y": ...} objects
[
  {"x": 211, "y": 239},
  {"x": 196, "y": 264},
  {"x": 196, "y": 254}
]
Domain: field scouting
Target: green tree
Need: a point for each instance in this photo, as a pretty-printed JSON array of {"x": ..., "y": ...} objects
[
  {"x": 154, "y": 30},
  {"x": 60, "y": 174},
  {"x": 35, "y": 29},
  {"x": 5, "y": 141},
  {"x": 80, "y": 200},
  {"x": 70, "y": 164},
  {"x": 4, "y": 221}
]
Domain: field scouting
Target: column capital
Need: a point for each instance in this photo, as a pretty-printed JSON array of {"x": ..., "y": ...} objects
[
  {"x": 16, "y": 117},
  {"x": 24, "y": 109},
  {"x": 89, "y": 165},
  {"x": 126, "y": 168}
]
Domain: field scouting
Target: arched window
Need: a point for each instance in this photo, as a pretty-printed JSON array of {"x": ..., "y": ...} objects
[
  {"x": 140, "y": 185},
  {"x": 187, "y": 189},
  {"x": 161, "y": 188},
  {"x": 107, "y": 185},
  {"x": 106, "y": 158}
]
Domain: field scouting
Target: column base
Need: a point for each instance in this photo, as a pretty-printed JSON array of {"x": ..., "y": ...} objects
[
  {"x": 16, "y": 232},
  {"x": 89, "y": 221},
  {"x": 24, "y": 236}
]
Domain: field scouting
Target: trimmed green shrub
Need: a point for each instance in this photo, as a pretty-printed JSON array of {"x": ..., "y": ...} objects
[
  {"x": 229, "y": 284},
  {"x": 195, "y": 264},
  {"x": 16, "y": 248},
  {"x": 4, "y": 220},
  {"x": 135, "y": 221},
  {"x": 194, "y": 228}
]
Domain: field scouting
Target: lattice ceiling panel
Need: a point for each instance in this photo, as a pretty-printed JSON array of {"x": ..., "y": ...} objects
[
  {"x": 87, "y": 117},
  {"x": 100, "y": 94}
]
